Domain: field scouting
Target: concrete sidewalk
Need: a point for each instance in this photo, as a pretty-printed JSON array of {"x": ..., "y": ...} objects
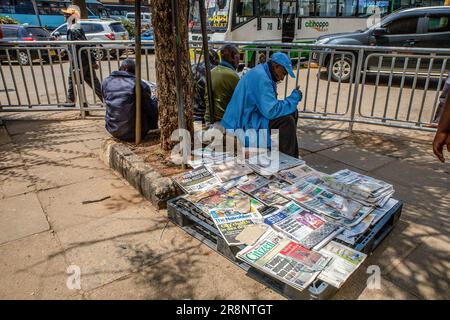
[{"x": 60, "y": 208}]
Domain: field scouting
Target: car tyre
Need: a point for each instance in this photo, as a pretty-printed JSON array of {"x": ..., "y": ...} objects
[
  {"x": 341, "y": 68},
  {"x": 98, "y": 54},
  {"x": 23, "y": 58}
]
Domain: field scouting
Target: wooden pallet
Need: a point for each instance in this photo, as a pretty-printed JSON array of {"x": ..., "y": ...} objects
[{"x": 197, "y": 224}]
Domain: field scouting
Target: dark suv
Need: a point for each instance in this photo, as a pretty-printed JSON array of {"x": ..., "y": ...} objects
[
  {"x": 418, "y": 27},
  {"x": 12, "y": 32}
]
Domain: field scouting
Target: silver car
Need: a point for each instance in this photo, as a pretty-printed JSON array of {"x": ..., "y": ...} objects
[{"x": 101, "y": 30}]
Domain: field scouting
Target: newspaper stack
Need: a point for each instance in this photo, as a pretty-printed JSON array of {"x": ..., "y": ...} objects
[
  {"x": 362, "y": 188},
  {"x": 296, "y": 174},
  {"x": 269, "y": 164},
  {"x": 351, "y": 235},
  {"x": 197, "y": 180},
  {"x": 321, "y": 201},
  {"x": 284, "y": 259},
  {"x": 229, "y": 169},
  {"x": 207, "y": 156}
]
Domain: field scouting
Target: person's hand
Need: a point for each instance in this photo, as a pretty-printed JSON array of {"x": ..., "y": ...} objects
[
  {"x": 441, "y": 139},
  {"x": 299, "y": 92}
]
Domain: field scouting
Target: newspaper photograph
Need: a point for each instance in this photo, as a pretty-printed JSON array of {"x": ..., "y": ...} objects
[
  {"x": 232, "y": 199},
  {"x": 231, "y": 229},
  {"x": 197, "y": 180},
  {"x": 344, "y": 261},
  {"x": 296, "y": 174},
  {"x": 229, "y": 170},
  {"x": 269, "y": 197},
  {"x": 285, "y": 260},
  {"x": 301, "y": 225},
  {"x": 254, "y": 184}
]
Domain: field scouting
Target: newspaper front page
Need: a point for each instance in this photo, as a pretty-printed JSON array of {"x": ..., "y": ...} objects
[
  {"x": 344, "y": 261},
  {"x": 284, "y": 259}
]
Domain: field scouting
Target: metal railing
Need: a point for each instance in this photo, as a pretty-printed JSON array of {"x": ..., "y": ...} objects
[{"x": 397, "y": 87}]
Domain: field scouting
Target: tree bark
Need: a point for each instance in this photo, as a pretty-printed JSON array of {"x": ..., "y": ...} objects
[
  {"x": 83, "y": 8},
  {"x": 165, "y": 68}
]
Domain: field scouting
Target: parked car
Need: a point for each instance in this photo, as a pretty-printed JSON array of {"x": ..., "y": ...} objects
[
  {"x": 13, "y": 32},
  {"x": 101, "y": 30},
  {"x": 415, "y": 28},
  {"x": 146, "y": 19}
]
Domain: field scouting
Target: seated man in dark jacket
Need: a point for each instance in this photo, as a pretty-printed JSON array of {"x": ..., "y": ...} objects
[{"x": 119, "y": 96}]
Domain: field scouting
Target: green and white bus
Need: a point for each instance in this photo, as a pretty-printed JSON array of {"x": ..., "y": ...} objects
[{"x": 291, "y": 20}]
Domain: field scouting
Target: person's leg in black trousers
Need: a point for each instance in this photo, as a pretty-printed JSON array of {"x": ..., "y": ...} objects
[
  {"x": 287, "y": 128},
  {"x": 97, "y": 86}
]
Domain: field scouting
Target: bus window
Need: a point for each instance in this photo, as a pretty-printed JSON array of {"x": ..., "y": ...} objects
[
  {"x": 306, "y": 8},
  {"x": 16, "y": 7},
  {"x": 216, "y": 16},
  {"x": 326, "y": 8},
  {"x": 269, "y": 8},
  {"x": 50, "y": 7},
  {"x": 243, "y": 11}
]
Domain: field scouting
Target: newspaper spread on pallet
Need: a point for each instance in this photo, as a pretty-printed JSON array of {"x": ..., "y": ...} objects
[
  {"x": 284, "y": 259},
  {"x": 344, "y": 261},
  {"x": 299, "y": 224},
  {"x": 322, "y": 201},
  {"x": 360, "y": 187}
]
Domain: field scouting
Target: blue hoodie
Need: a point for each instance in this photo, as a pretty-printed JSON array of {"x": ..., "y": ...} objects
[{"x": 254, "y": 103}]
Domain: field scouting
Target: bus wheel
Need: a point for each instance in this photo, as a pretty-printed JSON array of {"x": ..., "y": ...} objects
[
  {"x": 23, "y": 58},
  {"x": 341, "y": 68}
]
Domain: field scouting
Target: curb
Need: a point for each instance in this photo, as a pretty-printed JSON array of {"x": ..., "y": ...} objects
[{"x": 150, "y": 184}]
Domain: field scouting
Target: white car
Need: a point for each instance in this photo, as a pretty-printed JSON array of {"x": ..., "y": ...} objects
[
  {"x": 101, "y": 30},
  {"x": 145, "y": 18}
]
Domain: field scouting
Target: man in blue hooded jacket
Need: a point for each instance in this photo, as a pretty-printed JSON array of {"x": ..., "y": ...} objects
[
  {"x": 119, "y": 96},
  {"x": 254, "y": 105}
]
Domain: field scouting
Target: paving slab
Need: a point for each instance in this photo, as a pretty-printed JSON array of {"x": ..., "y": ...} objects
[
  {"x": 4, "y": 136},
  {"x": 105, "y": 196},
  {"x": 10, "y": 156},
  {"x": 17, "y": 127},
  {"x": 426, "y": 271},
  {"x": 57, "y": 174},
  {"x": 387, "y": 291},
  {"x": 318, "y": 140},
  {"x": 363, "y": 160},
  {"x": 133, "y": 240},
  {"x": 411, "y": 175},
  {"x": 327, "y": 165},
  {"x": 36, "y": 269},
  {"x": 15, "y": 181},
  {"x": 21, "y": 216},
  {"x": 425, "y": 208}
]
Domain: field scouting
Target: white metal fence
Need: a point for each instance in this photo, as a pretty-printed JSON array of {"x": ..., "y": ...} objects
[{"x": 378, "y": 85}]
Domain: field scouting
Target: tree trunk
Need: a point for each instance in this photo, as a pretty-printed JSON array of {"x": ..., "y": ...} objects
[
  {"x": 165, "y": 68},
  {"x": 83, "y": 8}
]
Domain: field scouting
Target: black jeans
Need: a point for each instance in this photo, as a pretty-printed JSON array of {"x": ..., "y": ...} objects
[
  {"x": 87, "y": 77},
  {"x": 287, "y": 127}
]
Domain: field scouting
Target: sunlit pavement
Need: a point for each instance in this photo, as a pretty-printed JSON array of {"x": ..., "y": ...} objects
[{"x": 62, "y": 210}]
